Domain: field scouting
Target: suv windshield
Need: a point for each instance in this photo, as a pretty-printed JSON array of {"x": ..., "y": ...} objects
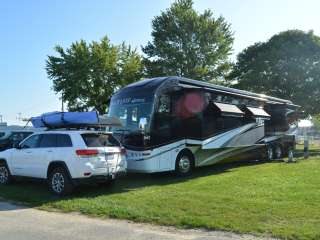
[
  {"x": 131, "y": 114},
  {"x": 99, "y": 140}
]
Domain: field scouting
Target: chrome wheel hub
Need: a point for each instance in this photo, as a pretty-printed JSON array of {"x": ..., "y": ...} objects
[
  {"x": 290, "y": 154},
  {"x": 270, "y": 153},
  {"x": 4, "y": 175},
  {"x": 278, "y": 152},
  {"x": 57, "y": 182},
  {"x": 184, "y": 164}
]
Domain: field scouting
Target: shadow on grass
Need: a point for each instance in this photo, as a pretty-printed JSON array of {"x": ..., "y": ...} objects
[{"x": 35, "y": 193}]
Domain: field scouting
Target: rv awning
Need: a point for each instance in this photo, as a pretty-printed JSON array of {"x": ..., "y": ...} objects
[
  {"x": 229, "y": 110},
  {"x": 258, "y": 112}
]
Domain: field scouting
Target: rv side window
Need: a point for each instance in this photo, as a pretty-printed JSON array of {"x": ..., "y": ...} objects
[
  {"x": 164, "y": 104},
  {"x": 134, "y": 114}
]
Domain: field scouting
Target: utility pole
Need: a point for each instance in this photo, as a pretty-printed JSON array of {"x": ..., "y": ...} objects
[
  {"x": 62, "y": 104},
  {"x": 19, "y": 116}
]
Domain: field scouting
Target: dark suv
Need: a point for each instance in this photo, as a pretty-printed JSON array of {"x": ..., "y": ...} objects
[{"x": 9, "y": 138}]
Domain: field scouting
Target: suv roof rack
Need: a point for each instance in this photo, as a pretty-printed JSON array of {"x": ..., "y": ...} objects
[{"x": 74, "y": 120}]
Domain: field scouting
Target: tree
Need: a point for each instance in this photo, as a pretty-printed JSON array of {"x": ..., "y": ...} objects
[
  {"x": 87, "y": 74},
  {"x": 186, "y": 43},
  {"x": 286, "y": 66}
]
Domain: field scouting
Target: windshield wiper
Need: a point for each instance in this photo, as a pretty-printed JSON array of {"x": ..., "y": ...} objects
[
  {"x": 122, "y": 130},
  {"x": 127, "y": 131}
]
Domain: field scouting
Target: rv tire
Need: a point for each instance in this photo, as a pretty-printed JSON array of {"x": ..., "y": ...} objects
[
  {"x": 270, "y": 153},
  {"x": 184, "y": 163},
  {"x": 278, "y": 152}
]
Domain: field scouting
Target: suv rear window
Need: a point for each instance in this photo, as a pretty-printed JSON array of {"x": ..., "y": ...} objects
[
  {"x": 99, "y": 140},
  {"x": 2, "y": 134}
]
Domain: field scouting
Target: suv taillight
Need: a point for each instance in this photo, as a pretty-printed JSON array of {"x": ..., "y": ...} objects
[
  {"x": 87, "y": 152},
  {"x": 123, "y": 151}
]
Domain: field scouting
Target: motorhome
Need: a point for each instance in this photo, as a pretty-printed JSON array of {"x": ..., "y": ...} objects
[{"x": 174, "y": 123}]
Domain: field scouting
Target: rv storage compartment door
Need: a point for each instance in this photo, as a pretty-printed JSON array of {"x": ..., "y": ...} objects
[
  {"x": 229, "y": 110},
  {"x": 258, "y": 112}
]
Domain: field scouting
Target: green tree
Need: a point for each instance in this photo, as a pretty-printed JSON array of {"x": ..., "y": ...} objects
[
  {"x": 286, "y": 66},
  {"x": 186, "y": 43},
  {"x": 87, "y": 74},
  {"x": 316, "y": 121}
]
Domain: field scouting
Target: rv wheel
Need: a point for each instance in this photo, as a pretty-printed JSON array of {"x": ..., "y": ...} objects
[
  {"x": 184, "y": 164},
  {"x": 269, "y": 153},
  {"x": 291, "y": 155},
  {"x": 278, "y": 152}
]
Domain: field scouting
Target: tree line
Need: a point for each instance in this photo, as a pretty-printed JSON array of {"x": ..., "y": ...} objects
[{"x": 189, "y": 44}]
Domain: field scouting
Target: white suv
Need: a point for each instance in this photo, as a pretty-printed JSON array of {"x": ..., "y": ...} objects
[{"x": 64, "y": 158}]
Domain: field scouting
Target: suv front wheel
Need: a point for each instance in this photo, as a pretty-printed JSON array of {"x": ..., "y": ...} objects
[
  {"x": 5, "y": 176},
  {"x": 59, "y": 182}
]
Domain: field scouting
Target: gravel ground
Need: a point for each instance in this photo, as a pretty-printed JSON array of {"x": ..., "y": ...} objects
[{"x": 18, "y": 222}]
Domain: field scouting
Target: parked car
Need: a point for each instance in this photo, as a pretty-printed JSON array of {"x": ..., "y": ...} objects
[
  {"x": 9, "y": 137},
  {"x": 65, "y": 159}
]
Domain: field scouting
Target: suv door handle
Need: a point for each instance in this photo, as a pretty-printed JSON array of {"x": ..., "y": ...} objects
[
  {"x": 49, "y": 151},
  {"x": 29, "y": 152}
]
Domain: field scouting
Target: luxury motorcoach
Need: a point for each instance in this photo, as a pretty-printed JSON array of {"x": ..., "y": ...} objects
[{"x": 174, "y": 123}]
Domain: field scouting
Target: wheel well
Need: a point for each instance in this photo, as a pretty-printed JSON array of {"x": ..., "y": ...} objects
[
  {"x": 273, "y": 145},
  {"x": 187, "y": 152},
  {"x": 6, "y": 164},
  {"x": 56, "y": 164},
  {"x": 3, "y": 161}
]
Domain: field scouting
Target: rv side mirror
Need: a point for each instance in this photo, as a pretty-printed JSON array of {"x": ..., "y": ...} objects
[{"x": 142, "y": 123}]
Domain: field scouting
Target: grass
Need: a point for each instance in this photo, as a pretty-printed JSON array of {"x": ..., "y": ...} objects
[{"x": 273, "y": 199}]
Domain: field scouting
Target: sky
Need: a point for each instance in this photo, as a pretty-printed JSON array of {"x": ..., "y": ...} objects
[{"x": 29, "y": 30}]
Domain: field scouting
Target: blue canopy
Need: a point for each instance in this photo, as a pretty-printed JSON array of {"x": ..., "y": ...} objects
[{"x": 65, "y": 119}]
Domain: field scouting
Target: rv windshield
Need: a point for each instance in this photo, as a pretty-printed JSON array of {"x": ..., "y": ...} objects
[{"x": 130, "y": 115}]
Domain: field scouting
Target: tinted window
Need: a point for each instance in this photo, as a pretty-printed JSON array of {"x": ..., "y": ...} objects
[
  {"x": 19, "y": 136},
  {"x": 55, "y": 140},
  {"x": 2, "y": 134},
  {"x": 31, "y": 142},
  {"x": 48, "y": 140},
  {"x": 99, "y": 140},
  {"x": 63, "y": 140}
]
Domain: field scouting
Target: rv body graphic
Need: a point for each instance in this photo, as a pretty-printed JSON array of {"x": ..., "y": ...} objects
[{"x": 174, "y": 123}]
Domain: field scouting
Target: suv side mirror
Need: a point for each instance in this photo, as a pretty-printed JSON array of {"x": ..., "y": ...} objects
[{"x": 16, "y": 145}]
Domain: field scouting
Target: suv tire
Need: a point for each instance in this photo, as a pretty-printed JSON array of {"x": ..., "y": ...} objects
[
  {"x": 59, "y": 182},
  {"x": 5, "y": 175}
]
